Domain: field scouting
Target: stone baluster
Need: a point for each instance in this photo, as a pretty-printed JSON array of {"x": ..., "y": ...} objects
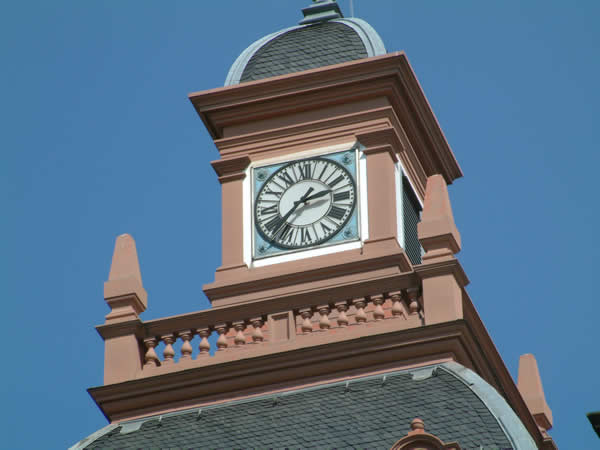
[
  {"x": 342, "y": 318},
  {"x": 204, "y": 345},
  {"x": 359, "y": 304},
  {"x": 168, "y": 352},
  {"x": 150, "y": 358},
  {"x": 222, "y": 329},
  {"x": 324, "y": 311},
  {"x": 378, "y": 313},
  {"x": 306, "y": 315},
  {"x": 239, "y": 327},
  {"x": 397, "y": 309},
  {"x": 186, "y": 348},
  {"x": 413, "y": 305},
  {"x": 257, "y": 335}
]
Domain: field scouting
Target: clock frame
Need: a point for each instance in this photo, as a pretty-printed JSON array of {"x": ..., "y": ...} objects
[{"x": 329, "y": 216}]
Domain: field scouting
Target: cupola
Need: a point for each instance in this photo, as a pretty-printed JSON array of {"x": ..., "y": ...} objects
[{"x": 323, "y": 38}]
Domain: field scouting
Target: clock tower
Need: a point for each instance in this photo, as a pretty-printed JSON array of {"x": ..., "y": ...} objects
[
  {"x": 340, "y": 315},
  {"x": 321, "y": 171}
]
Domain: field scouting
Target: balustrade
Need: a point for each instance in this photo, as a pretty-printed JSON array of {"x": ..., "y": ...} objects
[
  {"x": 397, "y": 308},
  {"x": 222, "y": 329},
  {"x": 168, "y": 352},
  {"x": 257, "y": 335},
  {"x": 306, "y": 315},
  {"x": 150, "y": 358},
  {"x": 239, "y": 327},
  {"x": 235, "y": 334},
  {"x": 413, "y": 295},
  {"x": 230, "y": 335},
  {"x": 342, "y": 318},
  {"x": 186, "y": 348},
  {"x": 359, "y": 304},
  {"x": 378, "y": 313},
  {"x": 204, "y": 345},
  {"x": 324, "y": 323}
]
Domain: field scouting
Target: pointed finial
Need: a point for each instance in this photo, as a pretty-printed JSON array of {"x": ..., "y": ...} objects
[
  {"x": 437, "y": 232},
  {"x": 125, "y": 262},
  {"x": 124, "y": 291},
  {"x": 530, "y": 386},
  {"x": 321, "y": 11}
]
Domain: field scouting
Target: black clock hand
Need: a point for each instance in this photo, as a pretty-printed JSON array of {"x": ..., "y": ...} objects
[
  {"x": 297, "y": 203},
  {"x": 317, "y": 195},
  {"x": 290, "y": 212}
]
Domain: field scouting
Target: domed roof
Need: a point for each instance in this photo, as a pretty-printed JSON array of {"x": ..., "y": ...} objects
[
  {"x": 323, "y": 38},
  {"x": 455, "y": 403}
]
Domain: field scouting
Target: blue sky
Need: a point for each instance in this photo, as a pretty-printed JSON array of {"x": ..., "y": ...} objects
[{"x": 98, "y": 138}]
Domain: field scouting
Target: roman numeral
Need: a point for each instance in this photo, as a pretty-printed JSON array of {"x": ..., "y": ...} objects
[
  {"x": 325, "y": 228},
  {"x": 336, "y": 181},
  {"x": 286, "y": 234},
  {"x": 274, "y": 223},
  {"x": 286, "y": 178},
  {"x": 269, "y": 191},
  {"x": 270, "y": 210},
  {"x": 305, "y": 171},
  {"x": 336, "y": 212},
  {"x": 305, "y": 236},
  {"x": 341, "y": 196},
  {"x": 322, "y": 171}
]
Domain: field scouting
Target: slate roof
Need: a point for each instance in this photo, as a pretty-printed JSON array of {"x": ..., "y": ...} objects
[
  {"x": 305, "y": 48},
  {"x": 372, "y": 412}
]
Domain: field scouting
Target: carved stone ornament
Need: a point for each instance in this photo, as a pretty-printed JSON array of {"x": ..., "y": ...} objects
[{"x": 418, "y": 439}]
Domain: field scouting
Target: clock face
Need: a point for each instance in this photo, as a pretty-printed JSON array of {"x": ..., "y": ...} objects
[{"x": 305, "y": 203}]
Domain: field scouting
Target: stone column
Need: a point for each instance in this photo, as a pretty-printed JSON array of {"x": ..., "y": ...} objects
[
  {"x": 232, "y": 173},
  {"x": 381, "y": 148},
  {"x": 381, "y": 183}
]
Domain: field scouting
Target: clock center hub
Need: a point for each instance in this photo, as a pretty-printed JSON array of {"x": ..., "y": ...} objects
[{"x": 309, "y": 211}]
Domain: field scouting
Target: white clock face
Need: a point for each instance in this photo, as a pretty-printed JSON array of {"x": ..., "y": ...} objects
[{"x": 304, "y": 203}]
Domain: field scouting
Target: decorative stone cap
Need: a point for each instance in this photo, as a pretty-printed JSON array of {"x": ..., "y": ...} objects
[
  {"x": 437, "y": 232},
  {"x": 124, "y": 292},
  {"x": 530, "y": 386}
]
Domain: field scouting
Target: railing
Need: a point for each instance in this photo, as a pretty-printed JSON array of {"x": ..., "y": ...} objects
[{"x": 214, "y": 332}]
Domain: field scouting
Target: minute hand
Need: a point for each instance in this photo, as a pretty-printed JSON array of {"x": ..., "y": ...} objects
[
  {"x": 317, "y": 195},
  {"x": 289, "y": 213}
]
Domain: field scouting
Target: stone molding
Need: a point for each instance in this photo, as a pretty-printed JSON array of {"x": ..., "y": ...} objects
[
  {"x": 319, "y": 357},
  {"x": 232, "y": 168},
  {"x": 388, "y": 76},
  {"x": 352, "y": 268}
]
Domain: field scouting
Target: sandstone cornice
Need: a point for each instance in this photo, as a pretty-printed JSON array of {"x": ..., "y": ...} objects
[{"x": 389, "y": 76}]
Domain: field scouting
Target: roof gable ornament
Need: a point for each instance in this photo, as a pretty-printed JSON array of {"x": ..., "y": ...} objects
[
  {"x": 321, "y": 11},
  {"x": 418, "y": 439}
]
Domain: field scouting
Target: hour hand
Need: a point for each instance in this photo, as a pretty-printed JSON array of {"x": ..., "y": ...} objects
[
  {"x": 317, "y": 195},
  {"x": 284, "y": 219}
]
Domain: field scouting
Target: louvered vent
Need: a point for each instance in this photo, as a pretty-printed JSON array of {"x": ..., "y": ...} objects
[{"x": 412, "y": 216}]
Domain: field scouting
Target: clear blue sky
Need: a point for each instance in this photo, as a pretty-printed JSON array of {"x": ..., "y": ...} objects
[{"x": 98, "y": 138}]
